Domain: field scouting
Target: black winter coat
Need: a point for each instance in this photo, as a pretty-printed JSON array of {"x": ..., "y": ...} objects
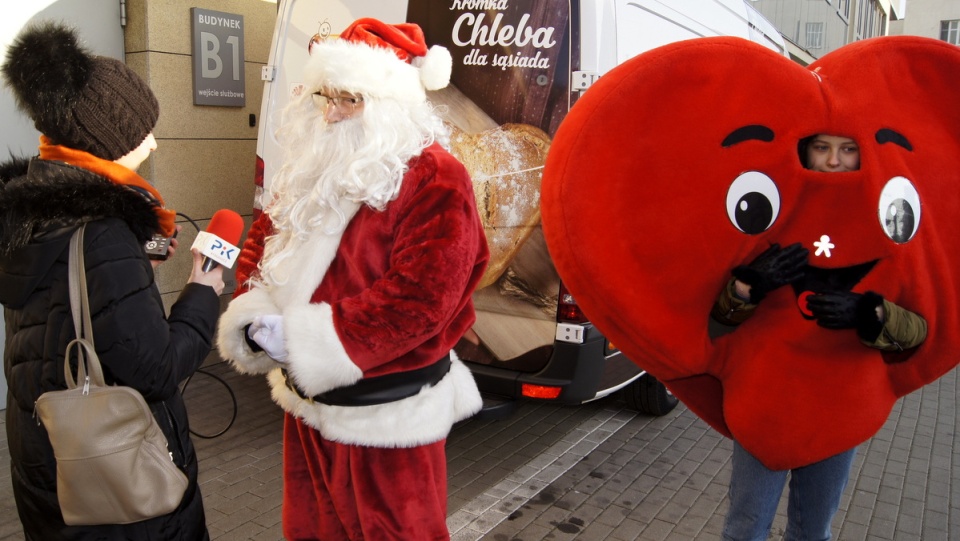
[{"x": 139, "y": 346}]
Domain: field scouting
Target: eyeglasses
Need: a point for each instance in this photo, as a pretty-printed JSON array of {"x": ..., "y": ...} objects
[{"x": 345, "y": 104}]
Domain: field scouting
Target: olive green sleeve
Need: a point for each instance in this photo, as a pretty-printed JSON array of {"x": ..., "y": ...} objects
[
  {"x": 731, "y": 309},
  {"x": 902, "y": 329}
]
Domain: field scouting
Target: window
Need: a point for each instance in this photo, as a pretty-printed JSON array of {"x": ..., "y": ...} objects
[
  {"x": 843, "y": 8},
  {"x": 814, "y": 35},
  {"x": 950, "y": 31}
]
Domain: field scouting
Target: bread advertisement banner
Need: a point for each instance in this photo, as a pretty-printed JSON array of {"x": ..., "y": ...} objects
[{"x": 509, "y": 90}]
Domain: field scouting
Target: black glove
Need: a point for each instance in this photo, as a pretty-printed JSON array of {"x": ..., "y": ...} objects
[
  {"x": 772, "y": 269},
  {"x": 848, "y": 310}
]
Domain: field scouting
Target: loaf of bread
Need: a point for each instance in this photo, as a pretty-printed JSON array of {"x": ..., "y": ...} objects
[{"x": 505, "y": 164}]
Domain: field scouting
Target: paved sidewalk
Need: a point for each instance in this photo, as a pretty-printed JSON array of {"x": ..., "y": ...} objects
[{"x": 593, "y": 472}]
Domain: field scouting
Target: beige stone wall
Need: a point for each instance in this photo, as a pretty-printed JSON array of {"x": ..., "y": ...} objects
[{"x": 206, "y": 155}]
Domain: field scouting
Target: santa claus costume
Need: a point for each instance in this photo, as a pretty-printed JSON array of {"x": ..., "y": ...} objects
[{"x": 367, "y": 254}]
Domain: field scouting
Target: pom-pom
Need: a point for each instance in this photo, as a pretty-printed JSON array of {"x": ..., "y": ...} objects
[
  {"x": 46, "y": 67},
  {"x": 435, "y": 68}
]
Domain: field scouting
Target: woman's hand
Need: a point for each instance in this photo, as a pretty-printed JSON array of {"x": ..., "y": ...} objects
[
  {"x": 214, "y": 278},
  {"x": 170, "y": 250}
]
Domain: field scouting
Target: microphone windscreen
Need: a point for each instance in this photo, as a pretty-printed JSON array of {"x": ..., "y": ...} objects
[{"x": 226, "y": 224}]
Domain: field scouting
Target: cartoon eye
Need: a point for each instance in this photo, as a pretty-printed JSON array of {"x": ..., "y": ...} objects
[
  {"x": 899, "y": 210},
  {"x": 753, "y": 202}
]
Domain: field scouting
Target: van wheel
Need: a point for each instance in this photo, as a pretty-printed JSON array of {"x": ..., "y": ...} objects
[{"x": 648, "y": 395}]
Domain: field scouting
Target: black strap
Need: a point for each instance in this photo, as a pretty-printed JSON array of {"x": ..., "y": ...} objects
[{"x": 380, "y": 389}]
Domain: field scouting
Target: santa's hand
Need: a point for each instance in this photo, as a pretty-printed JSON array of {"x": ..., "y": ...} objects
[{"x": 267, "y": 332}]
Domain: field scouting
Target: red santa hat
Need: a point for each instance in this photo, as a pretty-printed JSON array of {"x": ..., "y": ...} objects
[{"x": 376, "y": 59}]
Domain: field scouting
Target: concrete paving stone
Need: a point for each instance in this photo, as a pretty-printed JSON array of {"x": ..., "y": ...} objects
[
  {"x": 513, "y": 524},
  {"x": 533, "y": 532},
  {"x": 867, "y": 483},
  {"x": 465, "y": 535},
  {"x": 934, "y": 520},
  {"x": 269, "y": 475},
  {"x": 691, "y": 527},
  {"x": 907, "y": 526},
  {"x": 268, "y": 508},
  {"x": 571, "y": 500},
  {"x": 881, "y": 528},
  {"x": 488, "y": 520},
  {"x": 596, "y": 530},
  {"x": 480, "y": 504},
  {"x": 611, "y": 516},
  {"x": 274, "y": 533},
  {"x": 10, "y": 528},
  {"x": 889, "y": 495},
  {"x": 850, "y": 531},
  {"x": 241, "y": 503},
  {"x": 657, "y": 529},
  {"x": 893, "y": 476},
  {"x": 856, "y": 514},
  {"x": 243, "y": 532},
  {"x": 233, "y": 521},
  {"x": 604, "y": 498},
  {"x": 628, "y": 530},
  {"x": 530, "y": 489},
  {"x": 242, "y": 485},
  {"x": 502, "y": 489}
]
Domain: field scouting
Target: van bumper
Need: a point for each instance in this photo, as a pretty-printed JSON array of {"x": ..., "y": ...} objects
[{"x": 583, "y": 371}]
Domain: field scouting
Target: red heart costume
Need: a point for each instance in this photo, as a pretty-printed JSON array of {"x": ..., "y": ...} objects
[{"x": 642, "y": 214}]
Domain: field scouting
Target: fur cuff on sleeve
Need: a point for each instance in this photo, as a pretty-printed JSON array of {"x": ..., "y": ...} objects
[
  {"x": 231, "y": 339},
  {"x": 316, "y": 359}
]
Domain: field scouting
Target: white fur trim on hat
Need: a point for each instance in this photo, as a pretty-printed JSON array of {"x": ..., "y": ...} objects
[{"x": 376, "y": 71}]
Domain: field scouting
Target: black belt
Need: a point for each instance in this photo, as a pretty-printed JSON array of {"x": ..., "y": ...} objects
[{"x": 379, "y": 389}]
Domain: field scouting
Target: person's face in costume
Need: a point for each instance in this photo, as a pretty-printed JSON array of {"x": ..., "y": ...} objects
[
  {"x": 832, "y": 154},
  {"x": 338, "y": 106}
]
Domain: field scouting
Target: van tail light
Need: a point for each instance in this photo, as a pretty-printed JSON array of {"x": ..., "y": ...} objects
[
  {"x": 258, "y": 188},
  {"x": 539, "y": 391},
  {"x": 567, "y": 309}
]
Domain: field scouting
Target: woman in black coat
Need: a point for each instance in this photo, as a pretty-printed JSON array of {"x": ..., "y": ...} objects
[{"x": 97, "y": 118}]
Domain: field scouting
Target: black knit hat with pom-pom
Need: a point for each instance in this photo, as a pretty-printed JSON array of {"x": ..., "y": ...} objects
[{"x": 79, "y": 100}]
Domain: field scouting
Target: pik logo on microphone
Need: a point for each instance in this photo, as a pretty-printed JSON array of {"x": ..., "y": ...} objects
[{"x": 216, "y": 249}]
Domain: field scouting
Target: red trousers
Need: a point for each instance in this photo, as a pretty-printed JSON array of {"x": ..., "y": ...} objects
[{"x": 337, "y": 492}]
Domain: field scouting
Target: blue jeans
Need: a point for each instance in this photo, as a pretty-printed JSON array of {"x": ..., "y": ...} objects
[{"x": 755, "y": 490}]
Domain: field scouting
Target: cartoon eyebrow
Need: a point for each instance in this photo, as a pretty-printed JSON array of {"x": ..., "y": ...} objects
[
  {"x": 748, "y": 133},
  {"x": 886, "y": 135}
]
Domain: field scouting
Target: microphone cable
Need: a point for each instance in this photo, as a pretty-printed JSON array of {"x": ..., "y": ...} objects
[{"x": 186, "y": 382}]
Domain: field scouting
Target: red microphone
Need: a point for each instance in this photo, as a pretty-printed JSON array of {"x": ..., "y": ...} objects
[{"x": 218, "y": 242}]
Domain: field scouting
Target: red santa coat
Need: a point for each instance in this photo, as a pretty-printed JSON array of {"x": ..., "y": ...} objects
[{"x": 394, "y": 295}]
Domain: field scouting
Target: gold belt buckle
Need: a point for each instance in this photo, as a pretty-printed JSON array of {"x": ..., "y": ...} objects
[{"x": 292, "y": 387}]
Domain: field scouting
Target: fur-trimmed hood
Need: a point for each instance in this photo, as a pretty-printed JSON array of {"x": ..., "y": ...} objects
[
  {"x": 39, "y": 196},
  {"x": 41, "y": 202}
]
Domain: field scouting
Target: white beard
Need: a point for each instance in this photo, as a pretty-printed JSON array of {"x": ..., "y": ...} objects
[{"x": 331, "y": 169}]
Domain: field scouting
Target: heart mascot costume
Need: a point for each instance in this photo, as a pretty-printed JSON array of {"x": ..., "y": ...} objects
[
  {"x": 356, "y": 283},
  {"x": 682, "y": 163}
]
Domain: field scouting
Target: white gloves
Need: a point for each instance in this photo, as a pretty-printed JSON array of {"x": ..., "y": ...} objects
[{"x": 267, "y": 332}]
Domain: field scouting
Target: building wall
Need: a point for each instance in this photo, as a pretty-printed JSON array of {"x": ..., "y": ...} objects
[
  {"x": 922, "y": 17},
  {"x": 841, "y": 21},
  {"x": 206, "y": 155}
]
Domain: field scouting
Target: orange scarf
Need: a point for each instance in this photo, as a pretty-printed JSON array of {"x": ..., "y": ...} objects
[{"x": 115, "y": 172}]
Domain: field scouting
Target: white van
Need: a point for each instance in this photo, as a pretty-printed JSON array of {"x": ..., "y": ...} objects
[{"x": 519, "y": 65}]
